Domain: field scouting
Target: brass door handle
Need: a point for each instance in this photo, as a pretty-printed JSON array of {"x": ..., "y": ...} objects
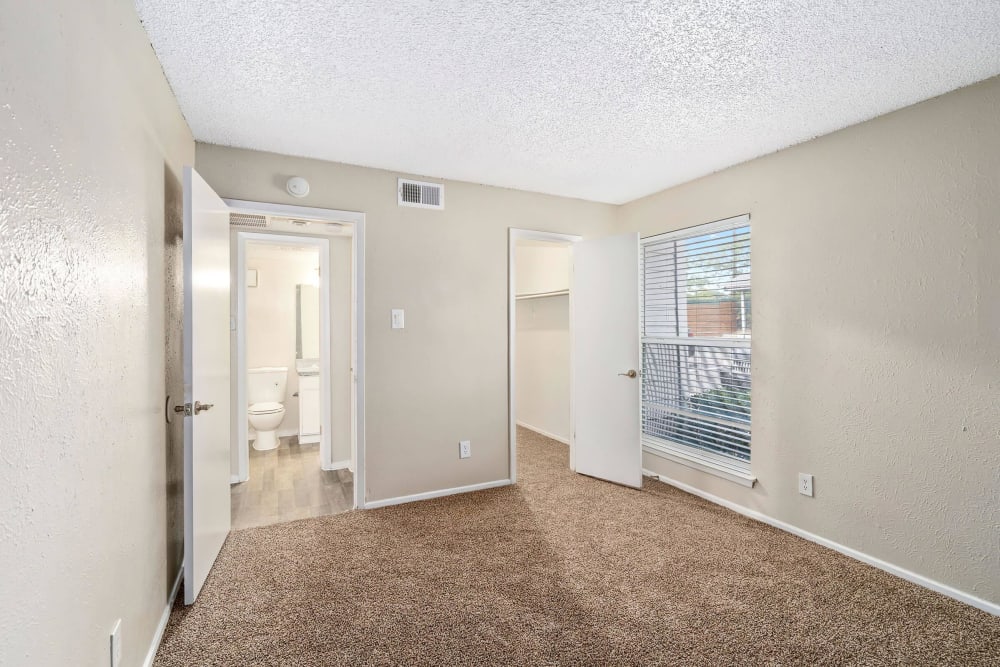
[{"x": 631, "y": 373}]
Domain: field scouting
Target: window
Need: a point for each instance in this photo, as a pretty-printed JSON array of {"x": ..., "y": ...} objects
[{"x": 696, "y": 347}]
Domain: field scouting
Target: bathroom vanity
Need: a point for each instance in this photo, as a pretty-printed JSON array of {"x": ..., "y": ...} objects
[{"x": 309, "y": 400}]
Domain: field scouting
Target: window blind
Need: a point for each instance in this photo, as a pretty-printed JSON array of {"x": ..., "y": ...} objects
[{"x": 696, "y": 335}]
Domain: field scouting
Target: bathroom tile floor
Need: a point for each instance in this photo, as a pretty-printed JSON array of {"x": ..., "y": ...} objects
[{"x": 287, "y": 484}]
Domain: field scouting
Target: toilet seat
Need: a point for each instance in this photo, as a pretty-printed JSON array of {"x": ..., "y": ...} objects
[{"x": 265, "y": 408}]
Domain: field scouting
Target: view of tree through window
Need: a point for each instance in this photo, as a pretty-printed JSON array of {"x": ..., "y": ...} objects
[{"x": 696, "y": 340}]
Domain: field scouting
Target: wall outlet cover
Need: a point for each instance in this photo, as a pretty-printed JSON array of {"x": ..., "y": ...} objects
[
  {"x": 397, "y": 318},
  {"x": 806, "y": 484},
  {"x": 465, "y": 449}
]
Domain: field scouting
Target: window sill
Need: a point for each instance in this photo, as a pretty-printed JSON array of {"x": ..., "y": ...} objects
[{"x": 699, "y": 461}]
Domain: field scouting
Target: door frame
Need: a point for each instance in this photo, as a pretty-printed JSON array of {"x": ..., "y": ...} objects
[
  {"x": 515, "y": 235},
  {"x": 357, "y": 222}
]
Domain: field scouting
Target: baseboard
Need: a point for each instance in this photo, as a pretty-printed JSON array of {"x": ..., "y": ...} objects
[
  {"x": 374, "y": 504},
  {"x": 553, "y": 436},
  {"x": 902, "y": 573},
  {"x": 338, "y": 465},
  {"x": 164, "y": 618}
]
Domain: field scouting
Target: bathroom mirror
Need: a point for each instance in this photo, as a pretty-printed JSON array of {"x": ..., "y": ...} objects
[{"x": 306, "y": 322}]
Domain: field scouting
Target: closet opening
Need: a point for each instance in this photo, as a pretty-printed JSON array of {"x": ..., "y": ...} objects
[{"x": 540, "y": 338}]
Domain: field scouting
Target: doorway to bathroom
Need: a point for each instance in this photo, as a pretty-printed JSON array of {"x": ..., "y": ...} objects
[{"x": 295, "y": 352}]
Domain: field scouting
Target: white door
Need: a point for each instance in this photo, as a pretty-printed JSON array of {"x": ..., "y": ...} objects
[
  {"x": 206, "y": 380},
  {"x": 605, "y": 349}
]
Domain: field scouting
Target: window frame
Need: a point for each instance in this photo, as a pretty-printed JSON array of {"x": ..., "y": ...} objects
[{"x": 726, "y": 467}]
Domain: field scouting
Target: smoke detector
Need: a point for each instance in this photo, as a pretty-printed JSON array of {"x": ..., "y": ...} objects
[{"x": 297, "y": 186}]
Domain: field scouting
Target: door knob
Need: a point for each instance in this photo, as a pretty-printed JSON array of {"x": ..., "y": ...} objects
[
  {"x": 188, "y": 410},
  {"x": 631, "y": 373}
]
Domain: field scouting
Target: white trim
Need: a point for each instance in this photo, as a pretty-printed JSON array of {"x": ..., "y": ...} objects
[
  {"x": 302, "y": 212},
  {"x": 338, "y": 465},
  {"x": 357, "y": 220},
  {"x": 550, "y": 436},
  {"x": 542, "y": 295},
  {"x": 427, "y": 495},
  {"x": 235, "y": 479},
  {"x": 723, "y": 225},
  {"x": 713, "y": 464},
  {"x": 161, "y": 627},
  {"x": 902, "y": 573},
  {"x": 513, "y": 236}
]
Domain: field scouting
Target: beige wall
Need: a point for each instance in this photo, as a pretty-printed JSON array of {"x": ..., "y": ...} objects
[
  {"x": 271, "y": 315},
  {"x": 876, "y": 351},
  {"x": 90, "y": 220},
  {"x": 443, "y": 378},
  {"x": 541, "y": 370}
]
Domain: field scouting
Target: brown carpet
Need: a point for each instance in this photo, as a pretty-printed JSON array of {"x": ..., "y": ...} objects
[{"x": 561, "y": 569}]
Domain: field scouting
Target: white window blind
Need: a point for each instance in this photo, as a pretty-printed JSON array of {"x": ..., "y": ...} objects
[{"x": 696, "y": 343}]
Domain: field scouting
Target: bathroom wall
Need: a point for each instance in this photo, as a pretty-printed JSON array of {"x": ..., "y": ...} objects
[
  {"x": 876, "y": 316},
  {"x": 443, "y": 378},
  {"x": 271, "y": 314},
  {"x": 542, "y": 345},
  {"x": 90, "y": 217}
]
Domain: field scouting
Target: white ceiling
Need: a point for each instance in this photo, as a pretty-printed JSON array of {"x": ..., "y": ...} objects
[{"x": 595, "y": 99}]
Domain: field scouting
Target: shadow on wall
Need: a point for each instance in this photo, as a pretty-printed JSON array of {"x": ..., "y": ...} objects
[{"x": 173, "y": 304}]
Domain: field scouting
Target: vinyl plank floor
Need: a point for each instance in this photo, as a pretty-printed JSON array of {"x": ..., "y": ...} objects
[{"x": 287, "y": 484}]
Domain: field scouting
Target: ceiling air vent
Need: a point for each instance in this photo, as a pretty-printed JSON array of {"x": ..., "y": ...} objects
[
  {"x": 420, "y": 195},
  {"x": 247, "y": 220}
]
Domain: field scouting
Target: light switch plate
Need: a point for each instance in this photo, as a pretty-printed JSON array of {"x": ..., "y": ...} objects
[
  {"x": 806, "y": 484},
  {"x": 465, "y": 449},
  {"x": 397, "y": 318}
]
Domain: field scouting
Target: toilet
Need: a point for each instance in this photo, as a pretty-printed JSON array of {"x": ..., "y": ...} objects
[{"x": 265, "y": 392}]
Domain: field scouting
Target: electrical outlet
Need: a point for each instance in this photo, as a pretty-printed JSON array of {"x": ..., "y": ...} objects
[
  {"x": 116, "y": 644},
  {"x": 465, "y": 449},
  {"x": 806, "y": 484}
]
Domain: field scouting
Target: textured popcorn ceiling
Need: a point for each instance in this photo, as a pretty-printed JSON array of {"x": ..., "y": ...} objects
[{"x": 600, "y": 100}]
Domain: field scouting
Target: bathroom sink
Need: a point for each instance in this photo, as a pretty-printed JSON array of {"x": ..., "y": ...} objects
[{"x": 307, "y": 366}]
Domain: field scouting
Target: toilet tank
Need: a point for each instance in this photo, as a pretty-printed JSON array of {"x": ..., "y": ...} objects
[{"x": 267, "y": 384}]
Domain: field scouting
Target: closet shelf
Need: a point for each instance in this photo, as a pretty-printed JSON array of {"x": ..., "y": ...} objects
[{"x": 541, "y": 295}]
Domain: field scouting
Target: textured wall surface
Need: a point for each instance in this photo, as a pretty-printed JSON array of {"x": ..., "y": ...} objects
[
  {"x": 599, "y": 100},
  {"x": 93, "y": 144},
  {"x": 443, "y": 378},
  {"x": 876, "y": 311}
]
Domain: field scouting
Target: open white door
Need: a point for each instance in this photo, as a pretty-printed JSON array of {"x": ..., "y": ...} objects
[
  {"x": 605, "y": 349},
  {"x": 206, "y": 380}
]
